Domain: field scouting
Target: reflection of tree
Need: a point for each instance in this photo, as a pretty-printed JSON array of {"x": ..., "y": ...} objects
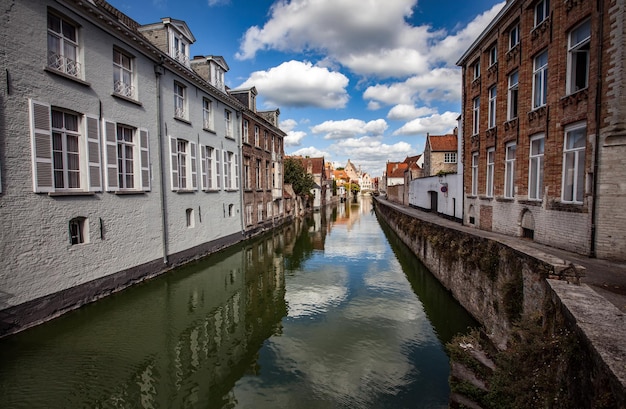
[
  {"x": 443, "y": 311},
  {"x": 303, "y": 246}
]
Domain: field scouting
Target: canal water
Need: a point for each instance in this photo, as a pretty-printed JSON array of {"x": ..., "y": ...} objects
[{"x": 328, "y": 312}]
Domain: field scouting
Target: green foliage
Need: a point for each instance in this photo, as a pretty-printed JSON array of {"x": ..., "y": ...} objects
[{"x": 295, "y": 174}]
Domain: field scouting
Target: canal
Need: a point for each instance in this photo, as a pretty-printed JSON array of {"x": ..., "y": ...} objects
[{"x": 332, "y": 311}]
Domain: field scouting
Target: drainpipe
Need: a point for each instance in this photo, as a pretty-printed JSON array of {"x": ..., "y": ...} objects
[
  {"x": 596, "y": 152},
  {"x": 159, "y": 70},
  {"x": 241, "y": 175}
]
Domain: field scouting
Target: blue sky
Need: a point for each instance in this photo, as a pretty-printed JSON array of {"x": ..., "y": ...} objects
[{"x": 363, "y": 80}]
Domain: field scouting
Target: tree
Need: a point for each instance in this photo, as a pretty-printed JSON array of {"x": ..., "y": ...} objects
[{"x": 295, "y": 174}]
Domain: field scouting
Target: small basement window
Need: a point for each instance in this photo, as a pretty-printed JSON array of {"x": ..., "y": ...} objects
[{"x": 78, "y": 230}]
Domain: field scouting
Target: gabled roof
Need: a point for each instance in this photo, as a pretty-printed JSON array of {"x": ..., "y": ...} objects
[
  {"x": 396, "y": 169},
  {"x": 178, "y": 25},
  {"x": 312, "y": 165},
  {"x": 219, "y": 60},
  {"x": 442, "y": 143}
]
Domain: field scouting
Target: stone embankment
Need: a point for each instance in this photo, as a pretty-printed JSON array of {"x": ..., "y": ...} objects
[{"x": 503, "y": 280}]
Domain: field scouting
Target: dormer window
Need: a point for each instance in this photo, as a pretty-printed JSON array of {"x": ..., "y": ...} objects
[
  {"x": 218, "y": 77},
  {"x": 180, "y": 50}
]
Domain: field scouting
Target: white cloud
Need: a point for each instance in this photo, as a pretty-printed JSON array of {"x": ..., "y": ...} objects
[
  {"x": 294, "y": 138},
  {"x": 370, "y": 152},
  {"x": 300, "y": 84},
  {"x": 213, "y": 3},
  {"x": 311, "y": 152},
  {"x": 434, "y": 124},
  {"x": 288, "y": 124},
  {"x": 349, "y": 128},
  {"x": 406, "y": 112}
]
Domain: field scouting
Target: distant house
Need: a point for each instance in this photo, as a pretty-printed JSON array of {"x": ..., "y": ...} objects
[
  {"x": 316, "y": 167},
  {"x": 395, "y": 180},
  {"x": 440, "y": 154}
]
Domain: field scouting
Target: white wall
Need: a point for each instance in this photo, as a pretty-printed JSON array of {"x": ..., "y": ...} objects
[{"x": 449, "y": 203}]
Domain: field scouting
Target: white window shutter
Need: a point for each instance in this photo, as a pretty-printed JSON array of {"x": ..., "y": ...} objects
[
  {"x": 92, "y": 139},
  {"x": 194, "y": 166},
  {"x": 218, "y": 170},
  {"x": 144, "y": 157},
  {"x": 203, "y": 169},
  {"x": 236, "y": 171},
  {"x": 226, "y": 170},
  {"x": 174, "y": 163},
  {"x": 110, "y": 157},
  {"x": 41, "y": 146}
]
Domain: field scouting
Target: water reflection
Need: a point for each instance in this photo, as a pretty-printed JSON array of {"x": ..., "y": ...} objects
[{"x": 318, "y": 314}]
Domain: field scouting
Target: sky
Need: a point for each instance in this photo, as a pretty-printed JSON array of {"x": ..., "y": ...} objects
[{"x": 363, "y": 80}]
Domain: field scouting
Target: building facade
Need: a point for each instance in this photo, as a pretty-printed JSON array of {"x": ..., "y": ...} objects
[{"x": 543, "y": 119}]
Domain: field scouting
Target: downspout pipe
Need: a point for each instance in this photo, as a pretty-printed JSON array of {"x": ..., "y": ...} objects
[{"x": 159, "y": 70}]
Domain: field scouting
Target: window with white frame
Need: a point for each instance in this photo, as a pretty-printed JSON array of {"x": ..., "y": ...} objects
[
  {"x": 476, "y": 116},
  {"x": 513, "y": 93},
  {"x": 209, "y": 172},
  {"x": 579, "y": 41},
  {"x": 78, "y": 229},
  {"x": 180, "y": 49},
  {"x": 189, "y": 217},
  {"x": 246, "y": 129},
  {"x": 258, "y": 174},
  {"x": 535, "y": 169},
  {"x": 125, "y": 157},
  {"x": 228, "y": 119},
  {"x": 207, "y": 113},
  {"x": 267, "y": 141},
  {"x": 231, "y": 170},
  {"x": 474, "y": 173},
  {"x": 218, "y": 169},
  {"x": 574, "y": 163},
  {"x": 259, "y": 209},
  {"x": 491, "y": 155},
  {"x": 268, "y": 182},
  {"x": 509, "y": 170},
  {"x": 123, "y": 77},
  {"x": 183, "y": 164},
  {"x": 449, "y": 157},
  {"x": 492, "y": 107},
  {"x": 476, "y": 70},
  {"x": 248, "y": 215},
  {"x": 256, "y": 135},
  {"x": 540, "y": 80},
  {"x": 246, "y": 173},
  {"x": 66, "y": 150},
  {"x": 542, "y": 11},
  {"x": 269, "y": 210},
  {"x": 514, "y": 36},
  {"x": 63, "y": 46},
  {"x": 493, "y": 55},
  {"x": 180, "y": 100}
]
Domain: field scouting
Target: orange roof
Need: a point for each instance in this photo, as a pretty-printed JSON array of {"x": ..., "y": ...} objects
[
  {"x": 315, "y": 165},
  {"x": 396, "y": 169},
  {"x": 442, "y": 143}
]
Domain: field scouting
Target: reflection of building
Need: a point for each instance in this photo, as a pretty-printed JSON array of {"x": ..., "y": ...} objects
[{"x": 544, "y": 113}]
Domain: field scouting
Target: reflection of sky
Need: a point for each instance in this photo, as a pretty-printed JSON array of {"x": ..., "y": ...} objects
[{"x": 356, "y": 336}]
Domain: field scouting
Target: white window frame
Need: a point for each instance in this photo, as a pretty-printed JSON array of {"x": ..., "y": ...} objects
[
  {"x": 183, "y": 165},
  {"x": 540, "y": 80},
  {"x": 512, "y": 110},
  {"x": 259, "y": 209},
  {"x": 180, "y": 100},
  {"x": 258, "y": 174},
  {"x": 126, "y": 156},
  {"x": 209, "y": 168},
  {"x": 513, "y": 36},
  {"x": 123, "y": 73},
  {"x": 180, "y": 49},
  {"x": 207, "y": 113},
  {"x": 493, "y": 55},
  {"x": 65, "y": 158},
  {"x": 509, "y": 170},
  {"x": 248, "y": 215},
  {"x": 257, "y": 131},
  {"x": 228, "y": 120},
  {"x": 247, "y": 180},
  {"x": 449, "y": 157},
  {"x": 491, "y": 156},
  {"x": 476, "y": 69},
  {"x": 78, "y": 229},
  {"x": 475, "y": 174},
  {"x": 578, "y": 55},
  {"x": 476, "y": 116},
  {"x": 493, "y": 93},
  {"x": 65, "y": 57},
  {"x": 542, "y": 11},
  {"x": 536, "y": 167},
  {"x": 246, "y": 130},
  {"x": 573, "y": 181},
  {"x": 268, "y": 180}
]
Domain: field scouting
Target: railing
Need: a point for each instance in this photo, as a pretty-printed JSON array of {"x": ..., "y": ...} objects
[
  {"x": 179, "y": 112},
  {"x": 63, "y": 64},
  {"x": 124, "y": 89}
]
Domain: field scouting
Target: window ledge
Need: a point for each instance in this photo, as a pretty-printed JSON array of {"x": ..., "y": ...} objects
[
  {"x": 229, "y": 137},
  {"x": 128, "y": 192},
  {"x": 185, "y": 191},
  {"x": 231, "y": 190},
  {"x": 505, "y": 199},
  {"x": 127, "y": 99},
  {"x": 69, "y": 77},
  {"x": 182, "y": 120},
  {"x": 70, "y": 193},
  {"x": 210, "y": 190},
  {"x": 209, "y": 130}
]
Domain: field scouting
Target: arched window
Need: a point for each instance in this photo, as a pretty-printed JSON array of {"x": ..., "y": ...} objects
[
  {"x": 189, "y": 217},
  {"x": 78, "y": 230}
]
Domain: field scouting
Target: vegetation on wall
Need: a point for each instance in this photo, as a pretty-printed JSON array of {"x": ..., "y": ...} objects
[{"x": 296, "y": 175}]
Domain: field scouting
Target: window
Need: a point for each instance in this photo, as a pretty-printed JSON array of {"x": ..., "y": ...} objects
[
  {"x": 218, "y": 166},
  {"x": 476, "y": 68},
  {"x": 231, "y": 208},
  {"x": 256, "y": 135},
  {"x": 231, "y": 170},
  {"x": 513, "y": 37},
  {"x": 540, "y": 80},
  {"x": 474, "y": 173},
  {"x": 209, "y": 173},
  {"x": 126, "y": 157},
  {"x": 78, "y": 230},
  {"x": 542, "y": 11},
  {"x": 492, "y": 107},
  {"x": 248, "y": 215},
  {"x": 493, "y": 55},
  {"x": 246, "y": 129},
  {"x": 246, "y": 173},
  {"x": 63, "y": 51},
  {"x": 259, "y": 209},
  {"x": 449, "y": 157},
  {"x": 578, "y": 57},
  {"x": 267, "y": 175},
  {"x": 476, "y": 116},
  {"x": 179, "y": 50},
  {"x": 207, "y": 113},
  {"x": 258, "y": 174},
  {"x": 535, "y": 171},
  {"x": 269, "y": 210},
  {"x": 189, "y": 217},
  {"x": 509, "y": 170},
  {"x": 65, "y": 150},
  {"x": 491, "y": 153},
  {"x": 574, "y": 163},
  {"x": 513, "y": 95},
  {"x": 183, "y": 164},
  {"x": 123, "y": 74},
  {"x": 228, "y": 118},
  {"x": 180, "y": 101}
]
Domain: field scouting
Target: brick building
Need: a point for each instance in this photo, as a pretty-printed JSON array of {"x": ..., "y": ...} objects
[
  {"x": 543, "y": 123},
  {"x": 440, "y": 154}
]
